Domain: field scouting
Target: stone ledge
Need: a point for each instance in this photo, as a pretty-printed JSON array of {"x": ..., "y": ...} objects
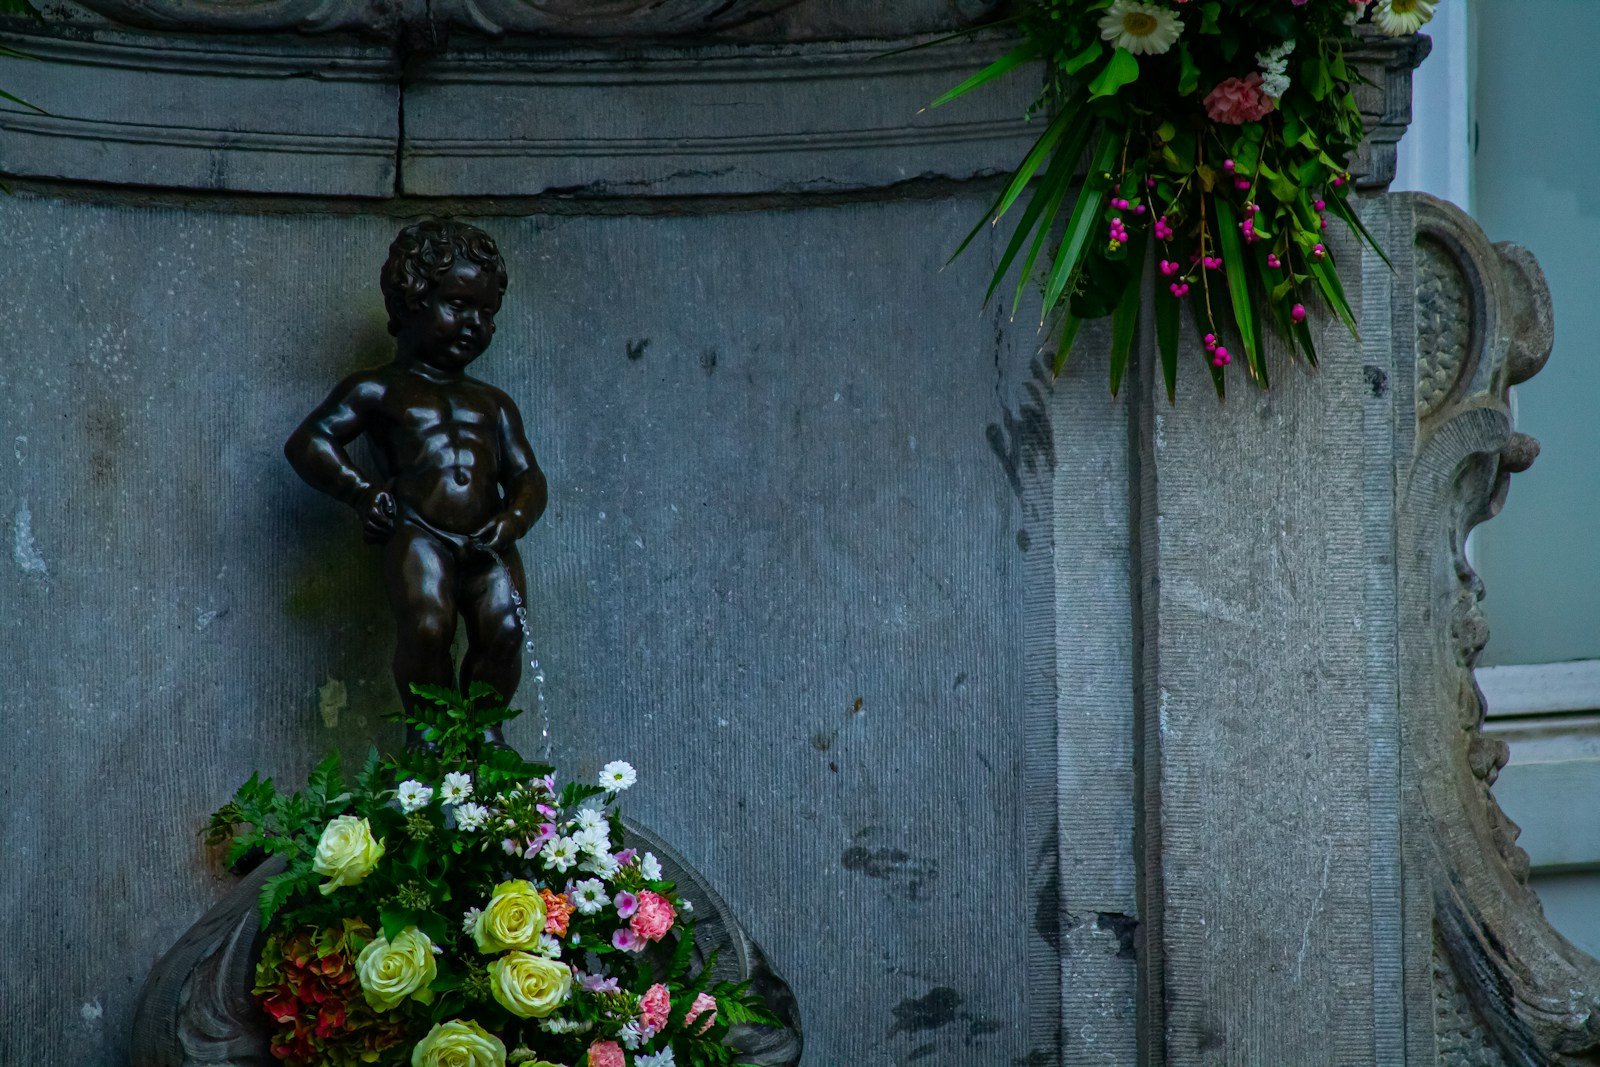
[{"x": 321, "y": 118}]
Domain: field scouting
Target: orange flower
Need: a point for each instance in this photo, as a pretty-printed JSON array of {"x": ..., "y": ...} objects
[{"x": 557, "y": 910}]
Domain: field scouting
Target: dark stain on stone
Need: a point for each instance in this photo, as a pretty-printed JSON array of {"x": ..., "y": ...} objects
[
  {"x": 921, "y": 1052},
  {"x": 1377, "y": 379},
  {"x": 1047, "y": 912},
  {"x": 834, "y": 767},
  {"x": 940, "y": 1007},
  {"x": 1123, "y": 927},
  {"x": 1210, "y": 1039},
  {"x": 892, "y": 865},
  {"x": 105, "y": 426},
  {"x": 636, "y": 349},
  {"x": 1024, "y": 442},
  {"x": 978, "y": 1027},
  {"x": 961, "y": 680},
  {"x": 708, "y": 360},
  {"x": 1024, "y": 540},
  {"x": 821, "y": 741}
]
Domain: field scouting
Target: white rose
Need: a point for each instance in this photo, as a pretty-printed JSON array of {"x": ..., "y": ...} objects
[{"x": 346, "y": 852}]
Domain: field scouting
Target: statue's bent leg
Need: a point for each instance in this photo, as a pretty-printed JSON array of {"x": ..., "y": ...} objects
[
  {"x": 489, "y": 593},
  {"x": 420, "y": 572}
]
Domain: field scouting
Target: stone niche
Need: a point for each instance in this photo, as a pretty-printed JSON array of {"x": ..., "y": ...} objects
[{"x": 1017, "y": 724}]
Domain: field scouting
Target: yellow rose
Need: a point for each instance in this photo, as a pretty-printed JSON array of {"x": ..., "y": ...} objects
[
  {"x": 529, "y": 986},
  {"x": 391, "y": 971},
  {"x": 459, "y": 1044},
  {"x": 346, "y": 853},
  {"x": 514, "y": 918}
]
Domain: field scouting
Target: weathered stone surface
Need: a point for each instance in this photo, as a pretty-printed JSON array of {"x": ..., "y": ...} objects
[{"x": 774, "y": 495}]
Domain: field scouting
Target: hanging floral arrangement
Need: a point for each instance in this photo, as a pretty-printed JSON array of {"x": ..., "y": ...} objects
[{"x": 1218, "y": 137}]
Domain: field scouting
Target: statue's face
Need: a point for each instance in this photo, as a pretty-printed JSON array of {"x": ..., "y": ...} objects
[{"x": 456, "y": 321}]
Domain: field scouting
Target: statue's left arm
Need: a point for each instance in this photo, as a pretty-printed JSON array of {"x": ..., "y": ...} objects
[{"x": 526, "y": 493}]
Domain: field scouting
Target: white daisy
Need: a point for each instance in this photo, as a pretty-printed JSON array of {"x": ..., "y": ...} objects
[
  {"x": 602, "y": 863},
  {"x": 413, "y": 795},
  {"x": 594, "y": 839},
  {"x": 457, "y": 787},
  {"x": 1396, "y": 18},
  {"x": 469, "y": 921},
  {"x": 559, "y": 853},
  {"x": 588, "y": 818},
  {"x": 650, "y": 867},
  {"x": 548, "y": 946},
  {"x": 589, "y": 896},
  {"x": 470, "y": 816},
  {"x": 656, "y": 1059},
  {"x": 617, "y": 776},
  {"x": 1143, "y": 29}
]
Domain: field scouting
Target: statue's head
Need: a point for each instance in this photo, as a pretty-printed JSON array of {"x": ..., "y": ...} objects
[{"x": 442, "y": 286}]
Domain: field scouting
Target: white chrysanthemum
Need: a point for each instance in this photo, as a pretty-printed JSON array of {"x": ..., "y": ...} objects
[
  {"x": 413, "y": 795},
  {"x": 469, "y": 921},
  {"x": 548, "y": 946},
  {"x": 602, "y": 863},
  {"x": 559, "y": 853},
  {"x": 1396, "y": 18},
  {"x": 1143, "y": 29},
  {"x": 663, "y": 1058},
  {"x": 588, "y": 896},
  {"x": 617, "y": 776},
  {"x": 457, "y": 787},
  {"x": 588, "y": 818},
  {"x": 594, "y": 838},
  {"x": 470, "y": 816},
  {"x": 650, "y": 867}
]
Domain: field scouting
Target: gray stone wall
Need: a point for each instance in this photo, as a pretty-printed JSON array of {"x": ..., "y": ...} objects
[{"x": 781, "y": 573}]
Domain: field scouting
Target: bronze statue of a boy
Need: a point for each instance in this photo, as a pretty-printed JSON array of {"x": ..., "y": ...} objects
[{"x": 456, "y": 483}]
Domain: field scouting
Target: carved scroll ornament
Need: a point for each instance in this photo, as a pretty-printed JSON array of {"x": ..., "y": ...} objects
[
  {"x": 430, "y": 18},
  {"x": 1507, "y": 988}
]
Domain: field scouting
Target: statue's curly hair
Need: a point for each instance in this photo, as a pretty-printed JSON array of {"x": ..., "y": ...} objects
[{"x": 423, "y": 253}]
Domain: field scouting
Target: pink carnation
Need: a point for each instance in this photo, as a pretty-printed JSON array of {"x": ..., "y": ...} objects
[
  {"x": 1239, "y": 100},
  {"x": 702, "y": 1003},
  {"x": 606, "y": 1054},
  {"x": 655, "y": 916},
  {"x": 655, "y": 1007}
]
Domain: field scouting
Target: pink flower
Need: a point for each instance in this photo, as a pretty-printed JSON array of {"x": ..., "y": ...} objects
[
  {"x": 606, "y": 1054},
  {"x": 655, "y": 916},
  {"x": 1239, "y": 100},
  {"x": 626, "y": 940},
  {"x": 655, "y": 1007},
  {"x": 594, "y": 983},
  {"x": 625, "y": 857},
  {"x": 702, "y": 1003},
  {"x": 1298, "y": 313},
  {"x": 626, "y": 903}
]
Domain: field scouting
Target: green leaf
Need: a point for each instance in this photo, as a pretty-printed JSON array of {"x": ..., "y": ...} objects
[
  {"x": 1093, "y": 52},
  {"x": 1233, "y": 264},
  {"x": 1085, "y": 215},
  {"x": 1125, "y": 317},
  {"x": 1042, "y": 211},
  {"x": 276, "y": 891},
  {"x": 1167, "y": 308},
  {"x": 1188, "y": 71},
  {"x": 1070, "y": 324},
  {"x": 1023, "y": 53},
  {"x": 1341, "y": 207},
  {"x": 1123, "y": 69}
]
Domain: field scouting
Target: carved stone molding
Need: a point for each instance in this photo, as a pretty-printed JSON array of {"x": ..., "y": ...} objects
[
  {"x": 327, "y": 117},
  {"x": 1500, "y": 979},
  {"x": 196, "y": 1009},
  {"x": 427, "y": 19}
]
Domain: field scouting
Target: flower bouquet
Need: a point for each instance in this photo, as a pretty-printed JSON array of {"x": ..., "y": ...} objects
[
  {"x": 1218, "y": 135},
  {"x": 454, "y": 908}
]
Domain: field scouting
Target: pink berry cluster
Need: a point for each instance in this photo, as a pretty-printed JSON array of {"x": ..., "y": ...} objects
[
  {"x": 1219, "y": 355},
  {"x": 1119, "y": 229}
]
